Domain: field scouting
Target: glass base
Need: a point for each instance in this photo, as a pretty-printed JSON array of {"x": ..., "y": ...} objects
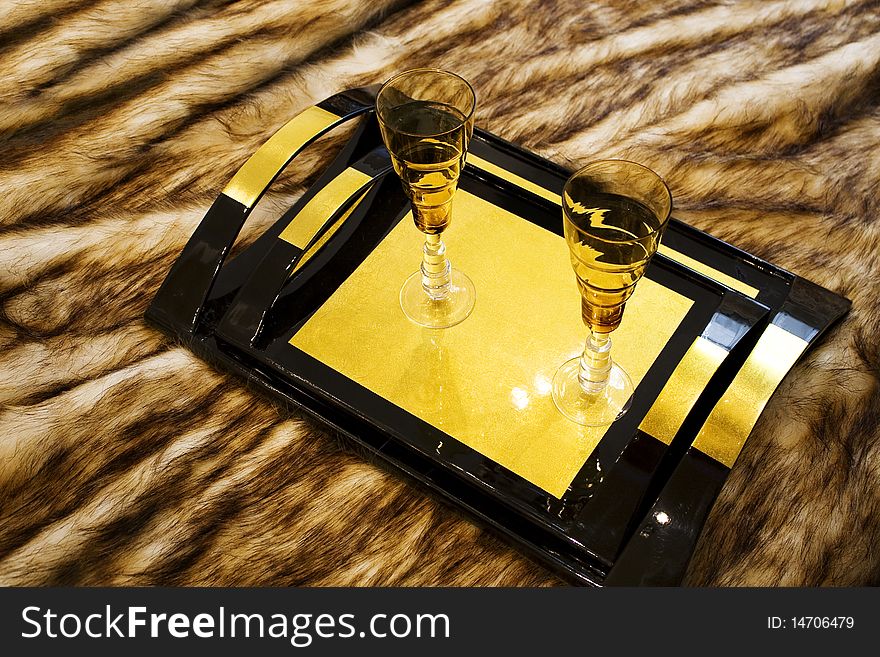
[
  {"x": 592, "y": 410},
  {"x": 438, "y": 313}
]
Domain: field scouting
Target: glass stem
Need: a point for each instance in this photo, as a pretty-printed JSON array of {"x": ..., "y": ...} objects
[
  {"x": 436, "y": 270},
  {"x": 595, "y": 363}
]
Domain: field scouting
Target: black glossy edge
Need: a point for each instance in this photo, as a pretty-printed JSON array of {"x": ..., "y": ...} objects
[
  {"x": 661, "y": 547},
  {"x": 645, "y": 463}
]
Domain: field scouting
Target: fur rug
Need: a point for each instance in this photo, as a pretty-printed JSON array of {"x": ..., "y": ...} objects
[{"x": 126, "y": 460}]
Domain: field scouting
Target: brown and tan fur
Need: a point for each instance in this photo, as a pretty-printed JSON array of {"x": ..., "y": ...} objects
[{"x": 126, "y": 460}]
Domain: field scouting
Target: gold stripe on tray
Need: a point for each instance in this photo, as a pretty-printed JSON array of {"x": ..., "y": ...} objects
[
  {"x": 260, "y": 170},
  {"x": 731, "y": 421},
  {"x": 709, "y": 272},
  {"x": 672, "y": 254},
  {"x": 323, "y": 205},
  {"x": 314, "y": 248},
  {"x": 680, "y": 394},
  {"x": 511, "y": 177},
  {"x": 485, "y": 382}
]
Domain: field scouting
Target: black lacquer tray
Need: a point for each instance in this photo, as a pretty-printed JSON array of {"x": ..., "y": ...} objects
[{"x": 308, "y": 314}]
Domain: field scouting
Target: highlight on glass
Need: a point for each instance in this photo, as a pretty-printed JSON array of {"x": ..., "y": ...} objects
[
  {"x": 614, "y": 214},
  {"x": 426, "y": 117}
]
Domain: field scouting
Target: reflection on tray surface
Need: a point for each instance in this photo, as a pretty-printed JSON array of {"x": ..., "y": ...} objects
[{"x": 485, "y": 382}]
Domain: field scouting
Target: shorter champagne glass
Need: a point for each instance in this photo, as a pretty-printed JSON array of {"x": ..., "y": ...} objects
[
  {"x": 614, "y": 213},
  {"x": 426, "y": 117}
]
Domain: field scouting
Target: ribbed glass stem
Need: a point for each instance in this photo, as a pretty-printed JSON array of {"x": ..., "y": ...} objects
[
  {"x": 595, "y": 363},
  {"x": 436, "y": 270}
]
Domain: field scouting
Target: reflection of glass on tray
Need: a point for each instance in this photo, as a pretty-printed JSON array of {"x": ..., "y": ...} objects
[{"x": 485, "y": 382}]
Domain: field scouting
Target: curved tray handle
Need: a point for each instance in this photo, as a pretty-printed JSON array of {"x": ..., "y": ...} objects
[
  {"x": 179, "y": 303},
  {"x": 336, "y": 209}
]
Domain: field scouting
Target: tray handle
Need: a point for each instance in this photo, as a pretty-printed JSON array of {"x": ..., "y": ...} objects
[
  {"x": 178, "y": 305},
  {"x": 336, "y": 209}
]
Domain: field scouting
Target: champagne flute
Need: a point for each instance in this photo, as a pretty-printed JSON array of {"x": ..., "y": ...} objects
[
  {"x": 614, "y": 213},
  {"x": 426, "y": 117}
]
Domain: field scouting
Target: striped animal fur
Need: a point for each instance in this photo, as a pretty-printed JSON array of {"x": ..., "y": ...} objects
[{"x": 126, "y": 460}]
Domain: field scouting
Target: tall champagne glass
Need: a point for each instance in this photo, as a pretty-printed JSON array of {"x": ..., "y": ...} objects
[
  {"x": 426, "y": 117},
  {"x": 614, "y": 214}
]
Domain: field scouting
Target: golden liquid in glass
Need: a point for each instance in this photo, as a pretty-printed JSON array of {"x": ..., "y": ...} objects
[
  {"x": 427, "y": 141},
  {"x": 611, "y": 239}
]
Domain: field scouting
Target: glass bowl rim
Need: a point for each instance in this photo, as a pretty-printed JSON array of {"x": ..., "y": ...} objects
[
  {"x": 590, "y": 165},
  {"x": 442, "y": 71}
]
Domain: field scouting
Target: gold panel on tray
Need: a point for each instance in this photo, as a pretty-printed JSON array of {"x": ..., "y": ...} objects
[
  {"x": 683, "y": 389},
  {"x": 486, "y": 381},
  {"x": 736, "y": 413},
  {"x": 323, "y": 205}
]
